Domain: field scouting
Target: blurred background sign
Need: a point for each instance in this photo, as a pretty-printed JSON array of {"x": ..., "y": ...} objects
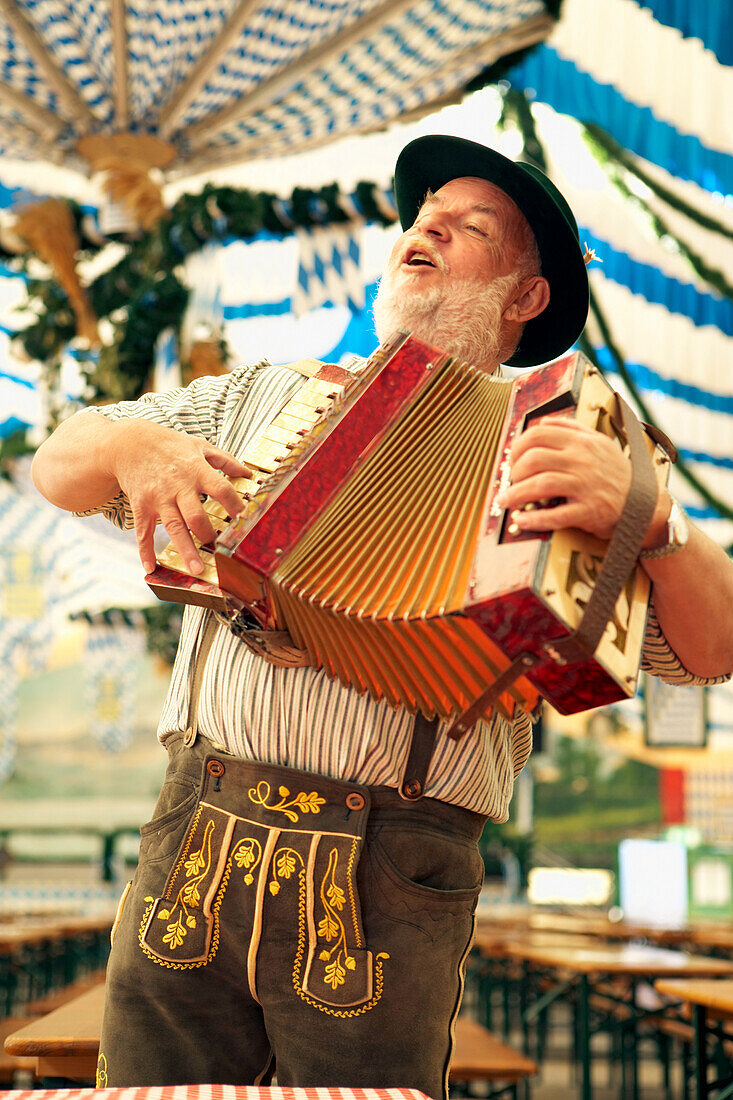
[{"x": 675, "y": 716}]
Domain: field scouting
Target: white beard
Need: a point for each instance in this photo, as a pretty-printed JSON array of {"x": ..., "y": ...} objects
[{"x": 462, "y": 317}]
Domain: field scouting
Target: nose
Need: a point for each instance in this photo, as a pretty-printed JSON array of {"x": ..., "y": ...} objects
[{"x": 434, "y": 223}]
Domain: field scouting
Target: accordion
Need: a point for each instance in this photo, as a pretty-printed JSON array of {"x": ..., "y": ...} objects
[{"x": 370, "y": 534}]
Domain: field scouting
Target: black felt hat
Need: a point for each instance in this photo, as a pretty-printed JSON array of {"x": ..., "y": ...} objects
[{"x": 429, "y": 162}]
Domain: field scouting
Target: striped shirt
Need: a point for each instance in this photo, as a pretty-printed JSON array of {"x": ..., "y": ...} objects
[{"x": 299, "y": 717}]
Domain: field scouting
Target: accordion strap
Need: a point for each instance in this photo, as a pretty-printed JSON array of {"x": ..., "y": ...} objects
[
  {"x": 274, "y": 646},
  {"x": 621, "y": 554}
]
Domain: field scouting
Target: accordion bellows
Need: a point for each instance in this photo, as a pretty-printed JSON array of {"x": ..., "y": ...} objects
[{"x": 375, "y": 590}]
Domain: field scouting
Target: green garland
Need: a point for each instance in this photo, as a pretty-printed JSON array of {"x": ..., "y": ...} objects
[
  {"x": 142, "y": 295},
  {"x": 13, "y": 446},
  {"x": 614, "y": 169},
  {"x": 516, "y": 112},
  {"x": 161, "y": 623},
  {"x": 613, "y": 151}
]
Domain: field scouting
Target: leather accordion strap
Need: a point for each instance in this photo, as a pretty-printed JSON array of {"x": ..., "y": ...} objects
[
  {"x": 621, "y": 554},
  {"x": 623, "y": 548},
  {"x": 502, "y": 683},
  {"x": 661, "y": 439}
]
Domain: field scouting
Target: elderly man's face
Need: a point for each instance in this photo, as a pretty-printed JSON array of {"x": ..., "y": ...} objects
[
  {"x": 468, "y": 226},
  {"x": 450, "y": 275}
]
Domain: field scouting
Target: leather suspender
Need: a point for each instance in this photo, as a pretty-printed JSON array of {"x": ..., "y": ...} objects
[
  {"x": 418, "y": 761},
  {"x": 202, "y": 652}
]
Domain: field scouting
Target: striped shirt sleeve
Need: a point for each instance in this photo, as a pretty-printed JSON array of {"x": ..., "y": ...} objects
[{"x": 660, "y": 660}]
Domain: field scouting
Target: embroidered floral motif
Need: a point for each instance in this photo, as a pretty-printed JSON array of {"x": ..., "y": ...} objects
[
  {"x": 248, "y": 854},
  {"x": 331, "y": 927},
  {"x": 196, "y": 868},
  {"x": 285, "y": 863},
  {"x": 306, "y": 803},
  {"x": 329, "y": 1010}
]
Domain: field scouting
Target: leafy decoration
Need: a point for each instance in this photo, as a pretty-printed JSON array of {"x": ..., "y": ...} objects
[{"x": 142, "y": 294}]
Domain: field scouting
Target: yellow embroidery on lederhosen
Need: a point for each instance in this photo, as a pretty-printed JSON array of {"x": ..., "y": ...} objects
[
  {"x": 341, "y": 1013},
  {"x": 188, "y": 898},
  {"x": 331, "y": 927},
  {"x": 306, "y": 803},
  {"x": 248, "y": 854},
  {"x": 101, "y": 1078}
]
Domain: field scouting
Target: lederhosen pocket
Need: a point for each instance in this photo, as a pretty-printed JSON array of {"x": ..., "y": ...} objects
[{"x": 282, "y": 847}]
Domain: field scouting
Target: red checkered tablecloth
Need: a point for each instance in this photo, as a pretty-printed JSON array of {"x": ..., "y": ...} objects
[{"x": 214, "y": 1092}]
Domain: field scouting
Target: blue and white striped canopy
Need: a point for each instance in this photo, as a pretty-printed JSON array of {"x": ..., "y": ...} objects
[
  {"x": 657, "y": 77},
  {"x": 239, "y": 78}
]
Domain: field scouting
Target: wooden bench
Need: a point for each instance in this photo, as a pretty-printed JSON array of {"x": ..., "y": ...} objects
[
  {"x": 480, "y": 1058},
  {"x": 15, "y": 1071},
  {"x": 64, "y": 1044}
]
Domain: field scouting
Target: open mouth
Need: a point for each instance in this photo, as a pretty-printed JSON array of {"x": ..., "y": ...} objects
[{"x": 415, "y": 257}]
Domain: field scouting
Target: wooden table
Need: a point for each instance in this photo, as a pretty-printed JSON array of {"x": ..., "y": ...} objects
[
  {"x": 105, "y": 819},
  {"x": 706, "y": 997},
  {"x": 65, "y": 1043},
  {"x": 499, "y": 942},
  {"x": 26, "y": 959},
  {"x": 496, "y": 969},
  {"x": 718, "y": 937},
  {"x": 631, "y": 962},
  {"x": 582, "y": 924},
  {"x": 46, "y": 952},
  {"x": 597, "y": 925}
]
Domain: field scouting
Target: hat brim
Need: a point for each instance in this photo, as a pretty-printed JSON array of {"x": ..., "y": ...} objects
[{"x": 428, "y": 163}]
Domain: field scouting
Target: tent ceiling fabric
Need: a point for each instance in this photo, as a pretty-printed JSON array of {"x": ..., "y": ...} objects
[{"x": 241, "y": 79}]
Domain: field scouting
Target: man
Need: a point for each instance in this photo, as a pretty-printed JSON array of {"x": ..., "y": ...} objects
[{"x": 290, "y": 908}]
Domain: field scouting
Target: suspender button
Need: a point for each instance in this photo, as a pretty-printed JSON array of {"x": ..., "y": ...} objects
[
  {"x": 355, "y": 801},
  {"x": 412, "y": 789},
  {"x": 215, "y": 768}
]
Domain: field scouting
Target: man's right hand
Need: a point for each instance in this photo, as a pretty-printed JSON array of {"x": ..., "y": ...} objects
[{"x": 164, "y": 474}]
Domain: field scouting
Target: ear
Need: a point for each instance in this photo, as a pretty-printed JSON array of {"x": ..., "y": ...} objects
[{"x": 531, "y": 297}]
